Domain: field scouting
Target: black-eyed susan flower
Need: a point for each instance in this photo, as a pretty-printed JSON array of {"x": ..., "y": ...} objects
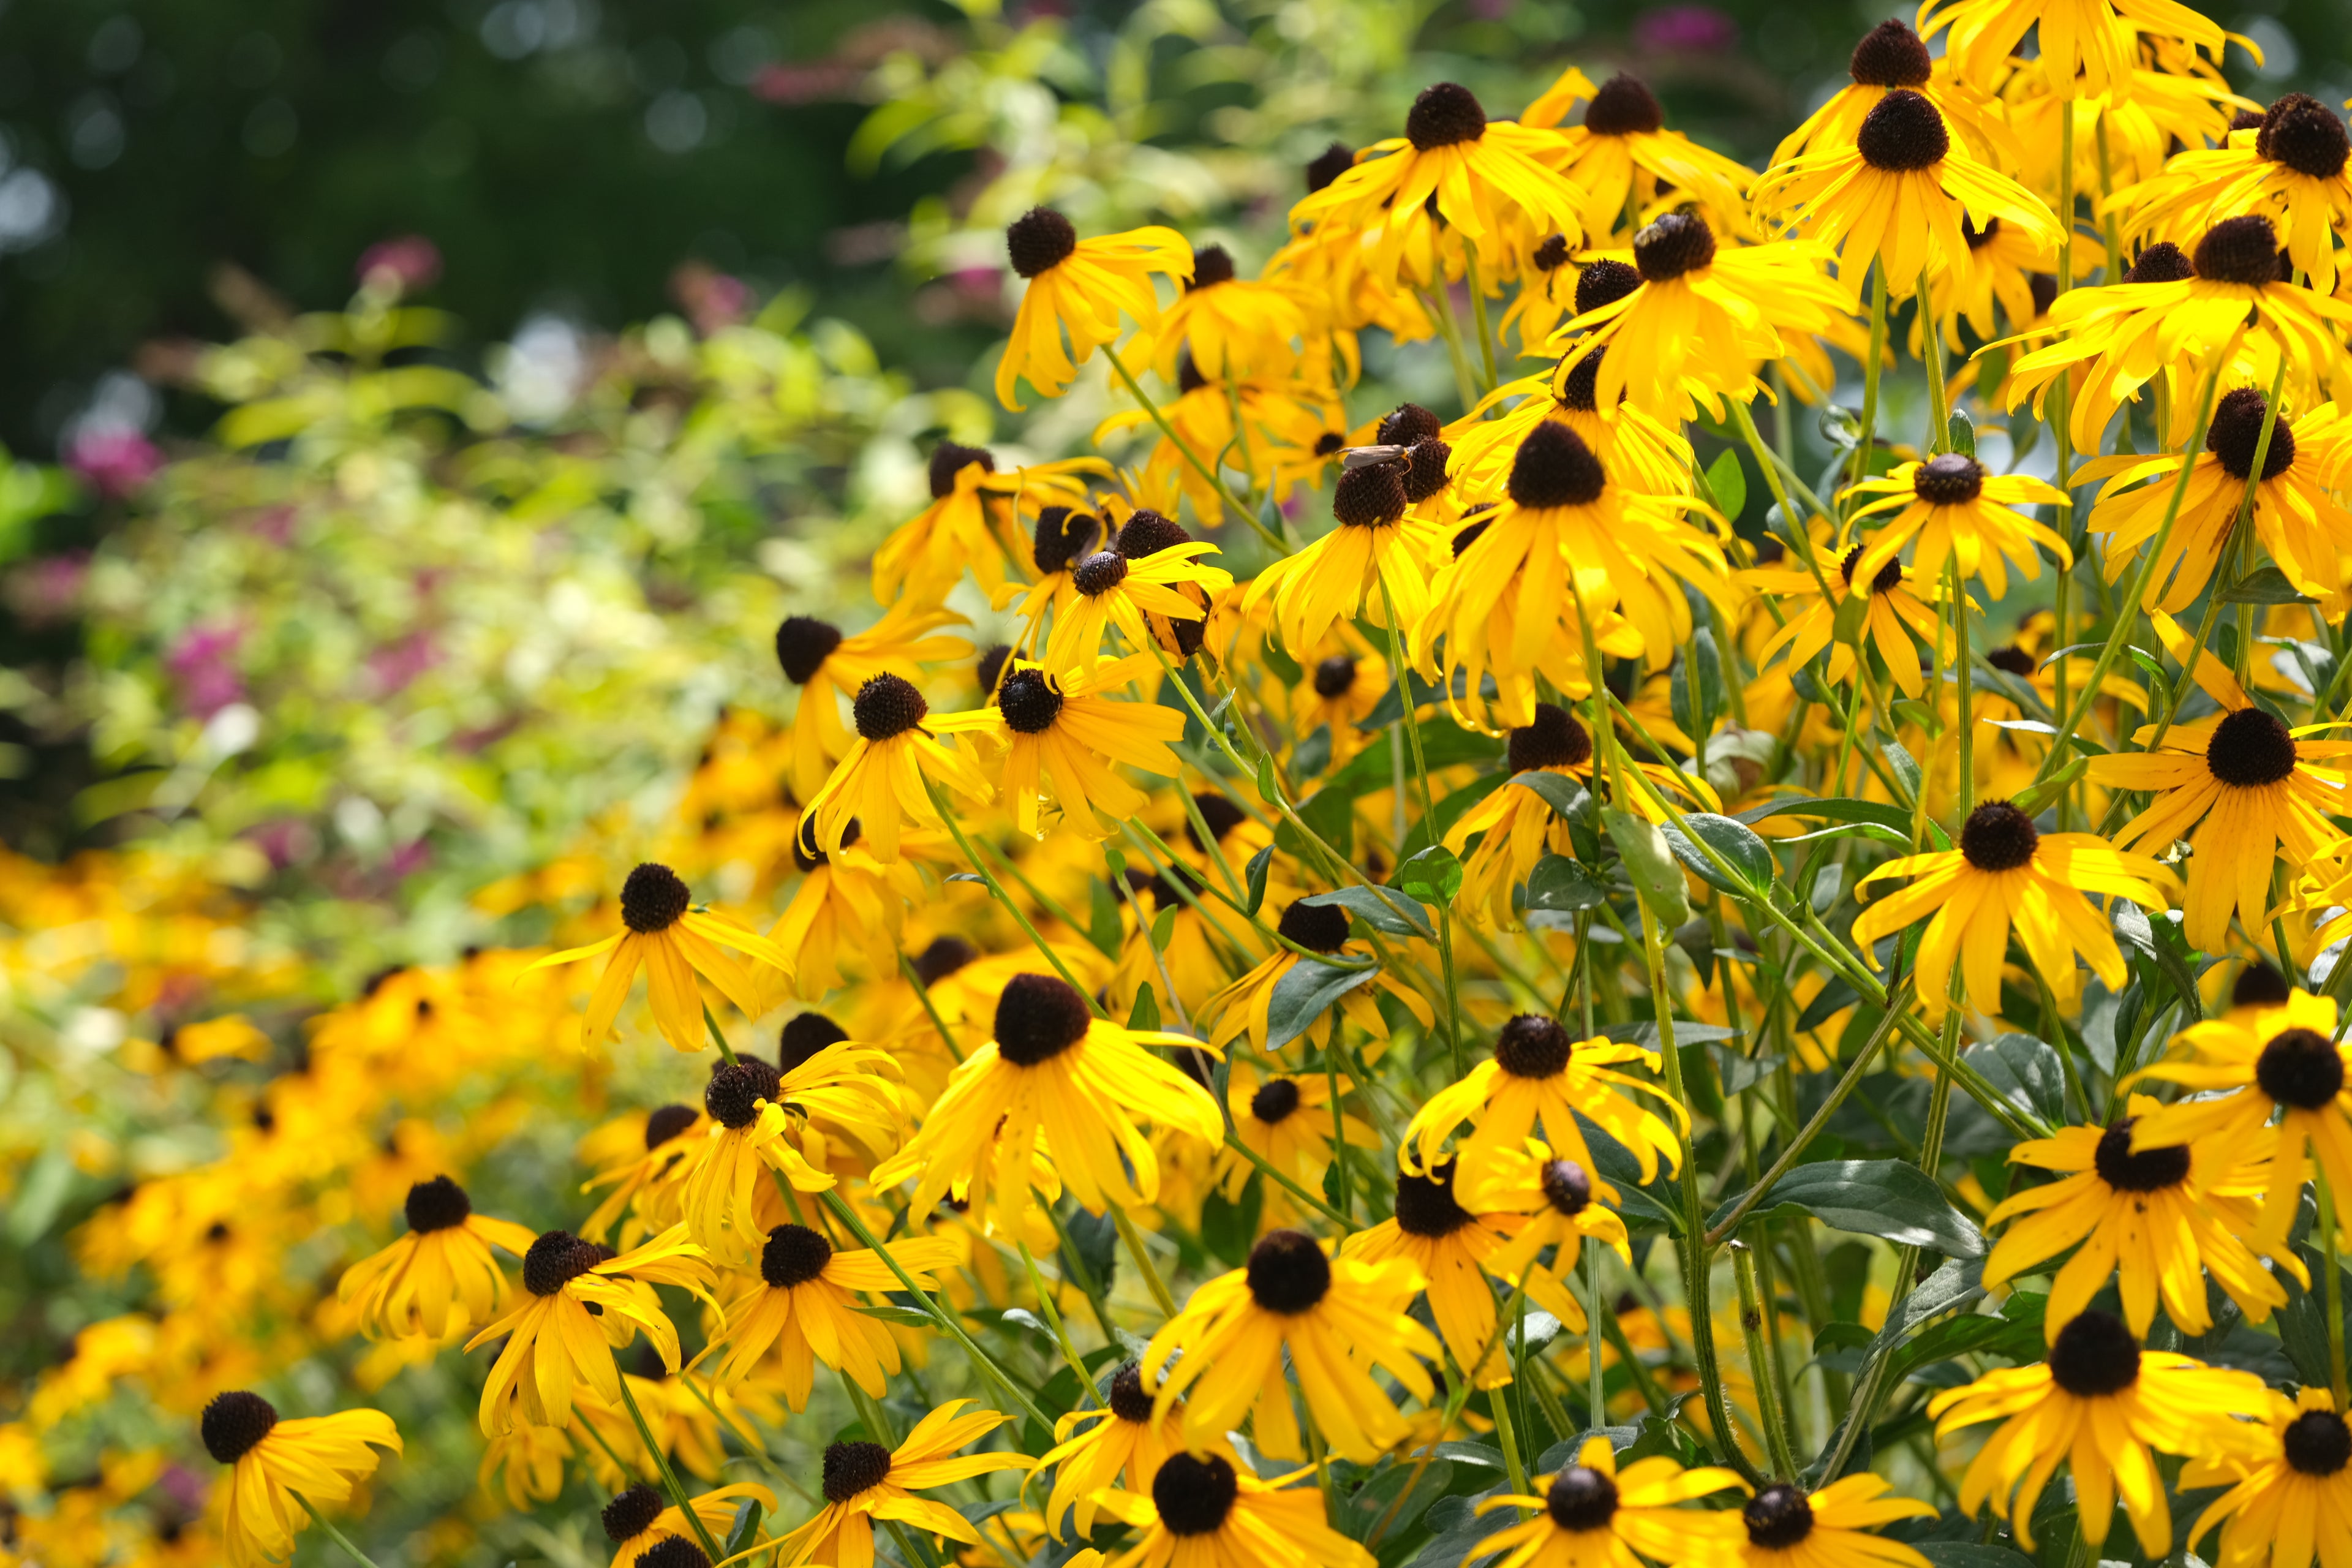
[
  {"x": 864, "y": 1481},
  {"x": 2288, "y": 1504},
  {"x": 2244, "y": 789},
  {"x": 2077, "y": 37},
  {"x": 973, "y": 522},
  {"x": 1127, "y": 586},
  {"x": 726, "y": 1200},
  {"x": 1898, "y": 193},
  {"x": 828, "y": 664},
  {"x": 1081, "y": 289},
  {"x": 2305, "y": 530},
  {"x": 879, "y": 783},
  {"x": 1892, "y": 56},
  {"x": 2269, "y": 1081},
  {"x": 1064, "y": 738},
  {"x": 441, "y": 1275},
  {"x": 1228, "y": 326},
  {"x": 1336, "y": 1318},
  {"x": 1591, "y": 1514},
  {"x": 2291, "y": 170},
  {"x": 1784, "y": 1526},
  {"x": 1485, "y": 182},
  {"x": 1290, "y": 1123},
  {"x": 2008, "y": 878},
  {"x": 803, "y": 1306},
  {"x": 1063, "y": 537},
  {"x": 526, "y": 1463},
  {"x": 1201, "y": 1512},
  {"x": 1248, "y": 1002},
  {"x": 639, "y": 1519},
  {"x": 276, "y": 1466},
  {"x": 554, "y": 1343},
  {"x": 1453, "y": 1250},
  {"x": 1054, "y": 1077},
  {"x": 1561, "y": 1207},
  {"x": 1539, "y": 1077},
  {"x": 2158, "y": 1219},
  {"x": 1379, "y": 555},
  {"x": 2103, "y": 1407},
  {"x": 2007, "y": 274},
  {"x": 672, "y": 939},
  {"x": 1950, "y": 507},
  {"x": 1706, "y": 313},
  {"x": 1895, "y": 616},
  {"x": 849, "y": 905},
  {"x": 1122, "y": 1442},
  {"x": 1627, "y": 161}
]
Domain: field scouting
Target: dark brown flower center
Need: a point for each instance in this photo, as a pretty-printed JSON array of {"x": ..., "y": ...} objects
[
  {"x": 2260, "y": 986},
  {"x": 1948, "y": 478},
  {"x": 1891, "y": 55},
  {"x": 2011, "y": 660},
  {"x": 555, "y": 1259},
  {"x": 1038, "y": 1017},
  {"x": 1444, "y": 116},
  {"x": 1371, "y": 497},
  {"x": 2238, "y": 250},
  {"x": 733, "y": 1094},
  {"x": 794, "y": 1255},
  {"x": 2237, "y": 430},
  {"x": 1624, "y": 106},
  {"x": 1424, "y": 470},
  {"x": 1671, "y": 245},
  {"x": 1038, "y": 241},
  {"x": 2148, "y": 1171},
  {"x": 667, "y": 1122},
  {"x": 1336, "y": 676},
  {"x": 1147, "y": 532},
  {"x": 1317, "y": 927},
  {"x": 2249, "y": 748},
  {"x": 1407, "y": 424},
  {"x": 2094, "y": 1355},
  {"x": 2317, "y": 1443},
  {"x": 803, "y": 644},
  {"x": 943, "y": 957},
  {"x": 803, "y": 1035},
  {"x": 888, "y": 705},
  {"x": 1211, "y": 265},
  {"x": 1532, "y": 1046},
  {"x": 1778, "y": 1516},
  {"x": 1193, "y": 1493},
  {"x": 1425, "y": 1205},
  {"x": 1902, "y": 133},
  {"x": 1567, "y": 1187},
  {"x": 438, "y": 1204},
  {"x": 1222, "y": 816},
  {"x": 1997, "y": 837},
  {"x": 2163, "y": 262},
  {"x": 1061, "y": 535},
  {"x": 632, "y": 1513},
  {"x": 1275, "y": 1099},
  {"x": 1129, "y": 1400},
  {"x": 1029, "y": 702},
  {"x": 1100, "y": 573},
  {"x": 2306, "y": 135},
  {"x": 1555, "y": 468},
  {"x": 1580, "y": 387},
  {"x": 950, "y": 459},
  {"x": 1551, "y": 253},
  {"x": 234, "y": 1423},
  {"x": 1555, "y": 739},
  {"x": 1287, "y": 1272},
  {"x": 2301, "y": 1068},
  {"x": 1328, "y": 165},
  {"x": 1580, "y": 1499},
  {"x": 1978, "y": 239},
  {"x": 653, "y": 898},
  {"x": 673, "y": 1552},
  {"x": 1604, "y": 283},
  {"x": 853, "y": 1467}
]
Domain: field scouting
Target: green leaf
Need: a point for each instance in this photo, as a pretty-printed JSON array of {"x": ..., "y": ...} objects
[
  {"x": 746, "y": 1529},
  {"x": 1852, "y": 611},
  {"x": 1564, "y": 886},
  {"x": 2161, "y": 944},
  {"x": 1563, "y": 794},
  {"x": 1749, "y": 858},
  {"x": 2027, "y": 1073},
  {"x": 1657, "y": 874},
  {"x": 1102, "y": 918},
  {"x": 904, "y": 1317},
  {"x": 1259, "y": 864},
  {"x": 1331, "y": 813},
  {"x": 1266, "y": 789},
  {"x": 2265, "y": 585},
  {"x": 1964, "y": 434},
  {"x": 1884, "y": 1198},
  {"x": 1727, "y": 482},
  {"x": 1695, "y": 688},
  {"x": 1836, "y": 808},
  {"x": 1145, "y": 1016},
  {"x": 1433, "y": 876},
  {"x": 1163, "y": 929},
  {"x": 1383, "y": 908},
  {"x": 1305, "y": 995},
  {"x": 1841, "y": 426}
]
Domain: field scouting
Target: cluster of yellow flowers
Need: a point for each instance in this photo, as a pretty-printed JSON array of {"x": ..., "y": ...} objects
[{"x": 1459, "y": 884}]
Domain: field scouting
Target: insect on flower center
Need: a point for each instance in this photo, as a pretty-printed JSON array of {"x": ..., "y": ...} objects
[
  {"x": 1903, "y": 134},
  {"x": 1317, "y": 927},
  {"x": 438, "y": 1204},
  {"x": 632, "y": 1513},
  {"x": 1532, "y": 1046},
  {"x": 1624, "y": 106},
  {"x": 733, "y": 1094},
  {"x": 1582, "y": 1499},
  {"x": 1029, "y": 702},
  {"x": 2260, "y": 986},
  {"x": 1061, "y": 535},
  {"x": 948, "y": 459},
  {"x": 234, "y": 1423},
  {"x": 803, "y": 644},
  {"x": 1039, "y": 240},
  {"x": 853, "y": 1467},
  {"x": 1371, "y": 497},
  {"x": 1554, "y": 468},
  {"x": 673, "y": 1552},
  {"x": 2237, "y": 430},
  {"x": 1147, "y": 532},
  {"x": 2238, "y": 250},
  {"x": 802, "y": 1036},
  {"x": 1554, "y": 741},
  {"x": 2317, "y": 1443},
  {"x": 2094, "y": 1355},
  {"x": 1194, "y": 1495},
  {"x": 1336, "y": 676},
  {"x": 1099, "y": 572},
  {"x": 557, "y": 1258},
  {"x": 943, "y": 957},
  {"x": 1997, "y": 837},
  {"x": 2011, "y": 660},
  {"x": 1567, "y": 1187},
  {"x": 653, "y": 898},
  {"x": 2147, "y": 1171},
  {"x": 1948, "y": 478},
  {"x": 1445, "y": 115},
  {"x": 2300, "y": 1068},
  {"x": 1038, "y": 1018},
  {"x": 2304, "y": 134},
  {"x": 666, "y": 1123},
  {"x": 1671, "y": 245},
  {"x": 794, "y": 1254},
  {"x": 2250, "y": 748},
  {"x": 1778, "y": 1516},
  {"x": 1891, "y": 55},
  {"x": 1287, "y": 1272},
  {"x": 887, "y": 706},
  {"x": 1129, "y": 1400},
  {"x": 1425, "y": 1205},
  {"x": 1275, "y": 1099},
  {"x": 2163, "y": 262}
]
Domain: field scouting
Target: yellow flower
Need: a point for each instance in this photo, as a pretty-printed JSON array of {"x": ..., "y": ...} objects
[
  {"x": 974, "y": 521},
  {"x": 864, "y": 1481},
  {"x": 672, "y": 940},
  {"x": 1081, "y": 287},
  {"x": 726, "y": 1195},
  {"x": 1594, "y": 1515},
  {"x": 1336, "y": 1318},
  {"x": 2101, "y": 1404},
  {"x": 1127, "y": 1439},
  {"x": 440, "y": 1276},
  {"x": 848, "y": 902},
  {"x": 1064, "y": 738},
  {"x": 1227, "y": 327},
  {"x": 2076, "y": 37},
  {"x": 1248, "y": 1002},
  {"x": 1125, "y": 585},
  {"x": 1896, "y": 615},
  {"x": 1561, "y": 1207},
  {"x": 2006, "y": 877},
  {"x": 1201, "y": 1512},
  {"x": 639, "y": 1519},
  {"x": 1054, "y": 1077},
  {"x": 1627, "y": 162},
  {"x": 2162, "y": 1216},
  {"x": 278, "y": 1465},
  {"x": 878, "y": 785},
  {"x": 804, "y": 1305},
  {"x": 1378, "y": 555},
  {"x": 1537, "y": 1076},
  {"x": 553, "y": 1342},
  {"x": 1453, "y": 1249},
  {"x": 1892, "y": 56},
  {"x": 2295, "y": 1498},
  {"x": 828, "y": 666},
  {"x": 2004, "y": 264},
  {"x": 1956, "y": 510},
  {"x": 1783, "y": 1526},
  {"x": 1291, "y": 1124},
  {"x": 2291, "y": 168}
]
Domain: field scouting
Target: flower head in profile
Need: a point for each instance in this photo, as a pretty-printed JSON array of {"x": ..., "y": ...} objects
[
  {"x": 1591, "y": 1514},
  {"x": 1892, "y": 56},
  {"x": 1080, "y": 294},
  {"x": 1200, "y": 1509},
  {"x": 2291, "y": 1502},
  {"x": 827, "y": 665},
  {"x": 1377, "y": 557},
  {"x": 879, "y": 784},
  {"x": 1228, "y": 326},
  {"x": 1454, "y": 1247},
  {"x": 1064, "y": 739},
  {"x": 2077, "y": 37},
  {"x": 1560, "y": 1206},
  {"x": 1247, "y": 1005},
  {"x": 1895, "y": 616},
  {"x": 864, "y": 1481},
  {"x": 640, "y": 1519},
  {"x": 438, "y": 1276},
  {"x": 802, "y": 1305},
  {"x": 1147, "y": 579},
  {"x": 276, "y": 1466},
  {"x": 2292, "y": 169},
  {"x": 726, "y": 1196},
  {"x": 1122, "y": 1441},
  {"x": 672, "y": 939},
  {"x": 1785, "y": 1526},
  {"x": 1626, "y": 160},
  {"x": 1947, "y": 508}
]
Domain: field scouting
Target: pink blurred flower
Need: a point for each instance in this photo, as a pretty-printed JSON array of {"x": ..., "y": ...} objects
[
  {"x": 712, "y": 299},
  {"x": 1686, "y": 30},
  {"x": 409, "y": 858},
  {"x": 49, "y": 589},
  {"x": 403, "y": 263},
  {"x": 115, "y": 460},
  {"x": 203, "y": 663},
  {"x": 391, "y": 667},
  {"x": 286, "y": 840},
  {"x": 811, "y": 83}
]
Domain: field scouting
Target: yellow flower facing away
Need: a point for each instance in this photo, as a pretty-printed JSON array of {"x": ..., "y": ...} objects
[
  {"x": 864, "y": 1482},
  {"x": 1079, "y": 292},
  {"x": 1592, "y": 1514},
  {"x": 281, "y": 1469},
  {"x": 441, "y": 1275}
]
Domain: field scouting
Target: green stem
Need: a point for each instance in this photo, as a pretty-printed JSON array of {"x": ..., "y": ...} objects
[
  {"x": 1400, "y": 675},
  {"x": 2333, "y": 1294},
  {"x": 1870, "y": 372},
  {"x": 337, "y": 1536},
  {"x": 670, "y": 1482},
  {"x": 971, "y": 857},
  {"x": 930, "y": 1008},
  {"x": 1440, "y": 311},
  {"x": 1478, "y": 316},
  {"x": 1143, "y": 1266},
  {"x": 1507, "y": 1436},
  {"x": 1763, "y": 1363},
  {"x": 1184, "y": 447},
  {"x": 1796, "y": 1147},
  {"x": 1070, "y": 1356}
]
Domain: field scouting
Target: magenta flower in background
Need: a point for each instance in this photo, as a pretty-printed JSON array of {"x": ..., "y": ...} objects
[
  {"x": 50, "y": 589},
  {"x": 115, "y": 460},
  {"x": 203, "y": 664},
  {"x": 408, "y": 262},
  {"x": 392, "y": 665},
  {"x": 1686, "y": 30},
  {"x": 712, "y": 300}
]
